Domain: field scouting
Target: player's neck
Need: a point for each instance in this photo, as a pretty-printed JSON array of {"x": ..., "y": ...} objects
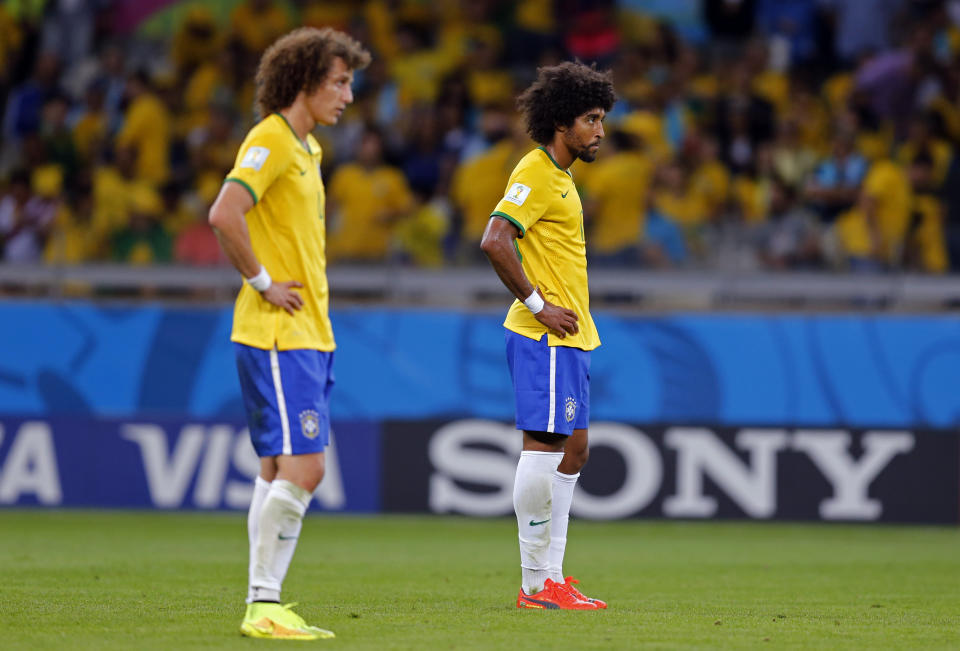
[
  {"x": 562, "y": 156},
  {"x": 299, "y": 118}
]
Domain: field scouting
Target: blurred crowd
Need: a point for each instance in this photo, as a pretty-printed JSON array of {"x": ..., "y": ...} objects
[{"x": 748, "y": 134}]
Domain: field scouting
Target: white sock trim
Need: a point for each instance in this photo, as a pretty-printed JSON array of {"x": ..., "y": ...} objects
[{"x": 300, "y": 494}]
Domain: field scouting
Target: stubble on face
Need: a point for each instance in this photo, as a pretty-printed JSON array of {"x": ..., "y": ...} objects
[
  {"x": 584, "y": 139},
  {"x": 333, "y": 95}
]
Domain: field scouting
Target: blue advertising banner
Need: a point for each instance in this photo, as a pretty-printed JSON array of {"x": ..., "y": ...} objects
[
  {"x": 467, "y": 467},
  {"x": 166, "y": 464},
  {"x": 61, "y": 359}
]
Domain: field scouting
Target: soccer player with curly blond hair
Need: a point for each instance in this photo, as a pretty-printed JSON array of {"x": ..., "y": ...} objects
[{"x": 269, "y": 219}]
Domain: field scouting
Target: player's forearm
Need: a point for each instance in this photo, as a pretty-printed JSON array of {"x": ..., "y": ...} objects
[
  {"x": 503, "y": 258},
  {"x": 231, "y": 231}
]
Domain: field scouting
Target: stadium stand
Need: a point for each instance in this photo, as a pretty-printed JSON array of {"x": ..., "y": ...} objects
[{"x": 754, "y": 136}]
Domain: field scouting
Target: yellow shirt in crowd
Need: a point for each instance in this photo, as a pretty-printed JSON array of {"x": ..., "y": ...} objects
[
  {"x": 619, "y": 185},
  {"x": 887, "y": 186},
  {"x": 369, "y": 202},
  {"x": 146, "y": 127},
  {"x": 478, "y": 183}
]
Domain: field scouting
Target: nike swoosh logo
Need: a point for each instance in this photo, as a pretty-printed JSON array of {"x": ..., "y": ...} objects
[
  {"x": 563, "y": 195},
  {"x": 282, "y": 537},
  {"x": 302, "y": 172},
  {"x": 534, "y": 524}
]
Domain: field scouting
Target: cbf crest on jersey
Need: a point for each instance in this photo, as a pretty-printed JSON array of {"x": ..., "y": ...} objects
[
  {"x": 517, "y": 193},
  {"x": 570, "y": 409},
  {"x": 255, "y": 158},
  {"x": 310, "y": 423}
]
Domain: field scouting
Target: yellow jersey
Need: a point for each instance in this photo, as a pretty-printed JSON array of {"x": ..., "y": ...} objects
[
  {"x": 287, "y": 231},
  {"x": 620, "y": 184},
  {"x": 146, "y": 126},
  {"x": 542, "y": 202},
  {"x": 370, "y": 201}
]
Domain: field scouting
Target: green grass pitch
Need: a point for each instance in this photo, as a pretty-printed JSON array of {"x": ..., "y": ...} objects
[{"x": 122, "y": 580}]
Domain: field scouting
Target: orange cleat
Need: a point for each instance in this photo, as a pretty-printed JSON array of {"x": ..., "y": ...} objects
[
  {"x": 554, "y": 596},
  {"x": 568, "y": 585}
]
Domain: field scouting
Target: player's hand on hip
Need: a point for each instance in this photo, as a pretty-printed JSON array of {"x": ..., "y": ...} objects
[
  {"x": 559, "y": 319},
  {"x": 282, "y": 295}
]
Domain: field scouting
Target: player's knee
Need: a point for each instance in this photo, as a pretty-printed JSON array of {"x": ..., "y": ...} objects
[
  {"x": 579, "y": 458},
  {"x": 574, "y": 459},
  {"x": 307, "y": 473},
  {"x": 315, "y": 472}
]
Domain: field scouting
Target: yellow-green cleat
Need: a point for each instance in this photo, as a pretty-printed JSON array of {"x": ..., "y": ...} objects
[{"x": 276, "y": 622}]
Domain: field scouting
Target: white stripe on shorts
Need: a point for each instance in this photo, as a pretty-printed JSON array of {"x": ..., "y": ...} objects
[
  {"x": 551, "y": 425},
  {"x": 281, "y": 400}
]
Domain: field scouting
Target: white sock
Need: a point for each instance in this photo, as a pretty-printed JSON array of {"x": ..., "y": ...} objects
[
  {"x": 260, "y": 489},
  {"x": 281, "y": 518},
  {"x": 563, "y": 486},
  {"x": 532, "y": 491}
]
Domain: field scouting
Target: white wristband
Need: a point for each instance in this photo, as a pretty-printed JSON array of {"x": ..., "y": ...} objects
[
  {"x": 534, "y": 302},
  {"x": 262, "y": 281}
]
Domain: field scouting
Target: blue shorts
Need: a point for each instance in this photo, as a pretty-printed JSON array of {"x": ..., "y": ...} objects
[
  {"x": 286, "y": 395},
  {"x": 551, "y": 385}
]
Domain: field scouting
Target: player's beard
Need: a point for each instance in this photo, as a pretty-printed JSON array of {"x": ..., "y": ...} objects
[{"x": 588, "y": 154}]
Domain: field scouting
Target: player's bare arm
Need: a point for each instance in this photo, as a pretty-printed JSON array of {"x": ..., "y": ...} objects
[
  {"x": 498, "y": 245},
  {"x": 229, "y": 224}
]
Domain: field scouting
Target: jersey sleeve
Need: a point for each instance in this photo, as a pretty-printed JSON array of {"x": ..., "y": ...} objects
[
  {"x": 525, "y": 200},
  {"x": 261, "y": 160}
]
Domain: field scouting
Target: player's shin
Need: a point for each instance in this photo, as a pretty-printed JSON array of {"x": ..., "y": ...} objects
[
  {"x": 563, "y": 486},
  {"x": 280, "y": 522},
  {"x": 532, "y": 500},
  {"x": 260, "y": 489}
]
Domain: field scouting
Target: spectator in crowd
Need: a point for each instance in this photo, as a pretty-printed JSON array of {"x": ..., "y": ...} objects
[
  {"x": 195, "y": 41},
  {"x": 90, "y": 125},
  {"x": 724, "y": 99},
  {"x": 57, "y": 137},
  {"x": 921, "y": 141},
  {"x": 616, "y": 193},
  {"x": 710, "y": 180},
  {"x": 478, "y": 183},
  {"x": 143, "y": 240},
  {"x": 925, "y": 246},
  {"x": 419, "y": 238},
  {"x": 835, "y": 183},
  {"x": 25, "y": 104},
  {"x": 367, "y": 198},
  {"x": 790, "y": 238},
  {"x": 69, "y": 28},
  {"x": 25, "y": 220},
  {"x": 73, "y": 240},
  {"x": 256, "y": 24},
  {"x": 146, "y": 130},
  {"x": 872, "y": 234},
  {"x": 676, "y": 219}
]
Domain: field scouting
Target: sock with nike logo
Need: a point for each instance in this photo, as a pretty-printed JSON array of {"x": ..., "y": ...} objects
[
  {"x": 563, "y": 486},
  {"x": 281, "y": 519},
  {"x": 532, "y": 491}
]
